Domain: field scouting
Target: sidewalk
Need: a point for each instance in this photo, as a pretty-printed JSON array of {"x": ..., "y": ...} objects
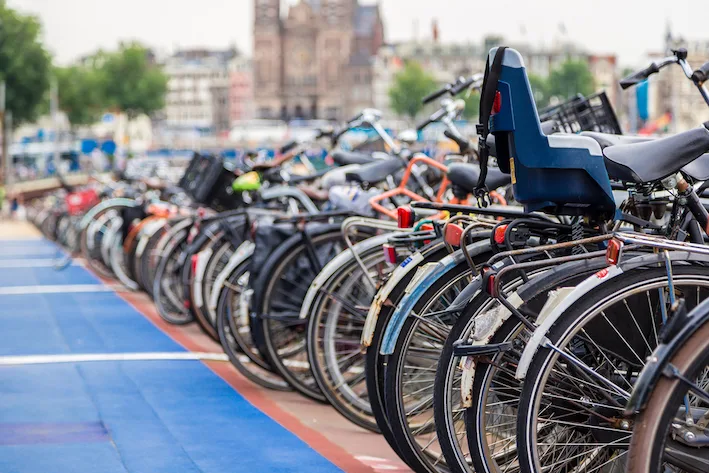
[{"x": 17, "y": 230}]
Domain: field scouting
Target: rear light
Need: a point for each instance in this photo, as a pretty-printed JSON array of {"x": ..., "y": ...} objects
[
  {"x": 453, "y": 234},
  {"x": 500, "y": 234},
  {"x": 193, "y": 260},
  {"x": 193, "y": 233},
  {"x": 489, "y": 278},
  {"x": 405, "y": 217},
  {"x": 613, "y": 252},
  {"x": 427, "y": 227},
  {"x": 497, "y": 103},
  {"x": 389, "y": 253}
]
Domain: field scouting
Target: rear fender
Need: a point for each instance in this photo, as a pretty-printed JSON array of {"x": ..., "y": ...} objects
[
  {"x": 335, "y": 264},
  {"x": 242, "y": 253},
  {"x": 118, "y": 202},
  {"x": 539, "y": 338},
  {"x": 418, "y": 287},
  {"x": 370, "y": 323}
]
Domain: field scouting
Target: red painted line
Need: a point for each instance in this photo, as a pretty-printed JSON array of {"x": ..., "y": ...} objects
[{"x": 193, "y": 339}]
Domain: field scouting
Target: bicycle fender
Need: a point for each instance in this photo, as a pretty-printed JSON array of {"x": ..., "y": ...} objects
[
  {"x": 406, "y": 266},
  {"x": 122, "y": 201},
  {"x": 539, "y": 337},
  {"x": 334, "y": 265},
  {"x": 486, "y": 325},
  {"x": 661, "y": 358},
  {"x": 242, "y": 253},
  {"x": 418, "y": 287}
]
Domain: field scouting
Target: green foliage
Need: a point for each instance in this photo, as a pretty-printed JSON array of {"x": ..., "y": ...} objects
[
  {"x": 472, "y": 106},
  {"x": 569, "y": 79},
  {"x": 539, "y": 90},
  {"x": 24, "y": 63},
  {"x": 410, "y": 86},
  {"x": 131, "y": 83},
  {"x": 80, "y": 94}
]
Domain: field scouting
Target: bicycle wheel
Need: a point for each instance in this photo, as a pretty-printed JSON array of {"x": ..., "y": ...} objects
[
  {"x": 168, "y": 291},
  {"x": 661, "y": 437},
  {"x": 494, "y": 393},
  {"x": 221, "y": 252},
  {"x": 150, "y": 259},
  {"x": 335, "y": 325},
  {"x": 570, "y": 415},
  {"x": 410, "y": 372},
  {"x": 234, "y": 329},
  {"x": 291, "y": 269}
]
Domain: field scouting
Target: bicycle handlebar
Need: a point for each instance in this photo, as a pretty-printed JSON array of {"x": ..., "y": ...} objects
[
  {"x": 434, "y": 95},
  {"x": 432, "y": 119},
  {"x": 463, "y": 144},
  {"x": 454, "y": 88},
  {"x": 639, "y": 76},
  {"x": 702, "y": 74},
  {"x": 288, "y": 146}
]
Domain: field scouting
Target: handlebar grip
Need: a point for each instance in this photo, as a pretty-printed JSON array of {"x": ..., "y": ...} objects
[
  {"x": 288, "y": 146},
  {"x": 637, "y": 77},
  {"x": 424, "y": 124},
  {"x": 462, "y": 143},
  {"x": 460, "y": 87},
  {"x": 434, "y": 95},
  {"x": 702, "y": 74},
  {"x": 355, "y": 118},
  {"x": 337, "y": 135},
  {"x": 322, "y": 133}
]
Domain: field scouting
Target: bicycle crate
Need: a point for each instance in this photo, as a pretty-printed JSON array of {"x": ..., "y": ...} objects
[{"x": 592, "y": 113}]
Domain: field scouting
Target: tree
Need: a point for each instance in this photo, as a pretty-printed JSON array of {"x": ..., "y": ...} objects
[
  {"x": 131, "y": 82},
  {"x": 539, "y": 90},
  {"x": 410, "y": 86},
  {"x": 569, "y": 79},
  {"x": 80, "y": 94},
  {"x": 24, "y": 63},
  {"x": 472, "y": 106}
]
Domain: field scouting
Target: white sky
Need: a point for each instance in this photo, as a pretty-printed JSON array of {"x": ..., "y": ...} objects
[{"x": 630, "y": 28}]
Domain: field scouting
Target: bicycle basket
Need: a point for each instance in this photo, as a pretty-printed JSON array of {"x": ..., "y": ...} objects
[{"x": 592, "y": 113}]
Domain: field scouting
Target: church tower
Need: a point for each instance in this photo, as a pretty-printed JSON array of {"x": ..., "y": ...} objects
[{"x": 267, "y": 62}]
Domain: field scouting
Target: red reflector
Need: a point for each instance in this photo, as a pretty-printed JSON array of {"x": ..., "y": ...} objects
[
  {"x": 194, "y": 264},
  {"x": 497, "y": 103},
  {"x": 427, "y": 227},
  {"x": 489, "y": 281},
  {"x": 187, "y": 304},
  {"x": 491, "y": 285},
  {"x": 500, "y": 234},
  {"x": 453, "y": 234},
  {"x": 389, "y": 253},
  {"x": 405, "y": 217},
  {"x": 613, "y": 251}
]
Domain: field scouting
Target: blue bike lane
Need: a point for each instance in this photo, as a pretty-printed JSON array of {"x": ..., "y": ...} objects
[{"x": 118, "y": 416}]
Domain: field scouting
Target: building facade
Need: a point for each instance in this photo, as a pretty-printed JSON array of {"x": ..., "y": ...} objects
[
  {"x": 241, "y": 94},
  {"x": 672, "y": 93},
  {"x": 316, "y": 60},
  {"x": 198, "y": 89}
]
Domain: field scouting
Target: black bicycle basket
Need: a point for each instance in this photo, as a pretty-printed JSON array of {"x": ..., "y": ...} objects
[{"x": 592, "y": 113}]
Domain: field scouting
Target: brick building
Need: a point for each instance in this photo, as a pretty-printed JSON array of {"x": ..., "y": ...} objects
[{"x": 316, "y": 59}]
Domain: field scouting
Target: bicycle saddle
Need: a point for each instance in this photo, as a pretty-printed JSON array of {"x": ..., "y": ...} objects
[
  {"x": 376, "y": 172},
  {"x": 697, "y": 169},
  {"x": 654, "y": 160},
  {"x": 343, "y": 158},
  {"x": 465, "y": 176}
]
